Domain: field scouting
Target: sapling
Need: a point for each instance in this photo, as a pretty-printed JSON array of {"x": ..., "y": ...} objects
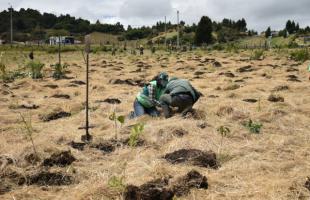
[
  {"x": 35, "y": 68},
  {"x": 223, "y": 131},
  {"x": 29, "y": 131},
  {"x": 121, "y": 119},
  {"x": 59, "y": 70},
  {"x": 136, "y": 131},
  {"x": 253, "y": 127}
]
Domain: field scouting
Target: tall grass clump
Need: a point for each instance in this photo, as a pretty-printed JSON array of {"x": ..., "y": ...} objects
[
  {"x": 59, "y": 70},
  {"x": 35, "y": 68},
  {"x": 300, "y": 55},
  {"x": 257, "y": 54}
]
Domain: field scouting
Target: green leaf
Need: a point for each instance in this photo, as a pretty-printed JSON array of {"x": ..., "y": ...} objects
[
  {"x": 121, "y": 119},
  {"x": 112, "y": 116}
]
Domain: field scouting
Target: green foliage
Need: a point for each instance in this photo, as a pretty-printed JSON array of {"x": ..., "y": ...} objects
[
  {"x": 204, "y": 31},
  {"x": 96, "y": 49},
  {"x": 292, "y": 44},
  {"x": 253, "y": 127},
  {"x": 257, "y": 54},
  {"x": 291, "y": 27},
  {"x": 268, "y": 32},
  {"x": 218, "y": 47},
  {"x": 116, "y": 182},
  {"x": 232, "y": 48},
  {"x": 35, "y": 68},
  {"x": 54, "y": 49},
  {"x": 59, "y": 70},
  {"x": 300, "y": 55},
  {"x": 136, "y": 131},
  {"x": 115, "y": 118},
  {"x": 283, "y": 33},
  {"x": 120, "y": 119},
  {"x": 223, "y": 131}
]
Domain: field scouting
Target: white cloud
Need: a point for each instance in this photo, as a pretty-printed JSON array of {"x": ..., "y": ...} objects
[{"x": 258, "y": 13}]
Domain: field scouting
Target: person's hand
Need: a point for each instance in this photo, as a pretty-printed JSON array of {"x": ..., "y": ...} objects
[{"x": 156, "y": 103}]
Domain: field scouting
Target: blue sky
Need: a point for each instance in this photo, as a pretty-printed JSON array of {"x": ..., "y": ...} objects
[{"x": 259, "y": 13}]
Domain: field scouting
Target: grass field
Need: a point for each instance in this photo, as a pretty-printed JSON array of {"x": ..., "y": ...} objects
[{"x": 272, "y": 164}]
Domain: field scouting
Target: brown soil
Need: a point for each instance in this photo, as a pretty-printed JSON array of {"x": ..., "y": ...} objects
[
  {"x": 60, "y": 159},
  {"x": 193, "y": 157},
  {"x": 192, "y": 179}
]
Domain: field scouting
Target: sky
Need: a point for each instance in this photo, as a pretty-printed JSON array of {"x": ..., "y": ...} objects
[{"x": 259, "y": 14}]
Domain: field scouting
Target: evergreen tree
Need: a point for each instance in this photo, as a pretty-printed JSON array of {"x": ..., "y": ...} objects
[
  {"x": 288, "y": 27},
  {"x": 204, "y": 31},
  {"x": 268, "y": 32}
]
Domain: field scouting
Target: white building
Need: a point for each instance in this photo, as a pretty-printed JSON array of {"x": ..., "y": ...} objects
[{"x": 61, "y": 39}]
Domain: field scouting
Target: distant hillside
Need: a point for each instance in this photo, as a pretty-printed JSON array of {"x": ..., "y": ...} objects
[{"x": 30, "y": 24}]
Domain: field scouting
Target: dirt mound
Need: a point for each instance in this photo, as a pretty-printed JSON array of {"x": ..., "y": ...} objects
[
  {"x": 106, "y": 146},
  {"x": 194, "y": 157},
  {"x": 60, "y": 159},
  {"x": 130, "y": 82},
  {"x": 248, "y": 68},
  {"x": 32, "y": 158},
  {"x": 192, "y": 179},
  {"x": 77, "y": 145},
  {"x": 52, "y": 86},
  {"x": 250, "y": 100},
  {"x": 109, "y": 146},
  {"x": 10, "y": 179},
  {"x": 275, "y": 98},
  {"x": 54, "y": 116},
  {"x": 293, "y": 78},
  {"x": 29, "y": 106},
  {"x": 307, "y": 184},
  {"x": 156, "y": 189},
  {"x": 112, "y": 101},
  {"x": 78, "y": 82},
  {"x": 179, "y": 132},
  {"x": 232, "y": 87},
  {"x": 5, "y": 160},
  {"x": 227, "y": 74},
  {"x": 224, "y": 110},
  {"x": 198, "y": 73},
  {"x": 45, "y": 178},
  {"x": 292, "y": 70},
  {"x": 160, "y": 189},
  {"x": 196, "y": 114},
  {"x": 61, "y": 96},
  {"x": 280, "y": 88},
  {"x": 216, "y": 64}
]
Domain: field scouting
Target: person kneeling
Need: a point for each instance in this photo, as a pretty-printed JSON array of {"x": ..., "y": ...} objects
[
  {"x": 181, "y": 94},
  {"x": 148, "y": 98}
]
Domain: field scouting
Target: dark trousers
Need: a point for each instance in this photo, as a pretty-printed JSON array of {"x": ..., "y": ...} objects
[
  {"x": 140, "y": 110},
  {"x": 184, "y": 103}
]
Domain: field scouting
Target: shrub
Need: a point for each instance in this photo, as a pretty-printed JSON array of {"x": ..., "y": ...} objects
[
  {"x": 35, "y": 68},
  {"x": 257, "y": 54},
  {"x": 218, "y": 47},
  {"x": 116, "y": 182},
  {"x": 292, "y": 44},
  {"x": 59, "y": 70},
  {"x": 136, "y": 131},
  {"x": 300, "y": 55},
  {"x": 253, "y": 127},
  {"x": 115, "y": 118}
]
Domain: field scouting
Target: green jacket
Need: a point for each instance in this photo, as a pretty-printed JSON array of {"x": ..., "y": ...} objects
[
  {"x": 176, "y": 86},
  {"x": 149, "y": 93}
]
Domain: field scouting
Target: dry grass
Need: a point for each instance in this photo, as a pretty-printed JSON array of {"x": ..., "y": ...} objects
[{"x": 270, "y": 165}]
